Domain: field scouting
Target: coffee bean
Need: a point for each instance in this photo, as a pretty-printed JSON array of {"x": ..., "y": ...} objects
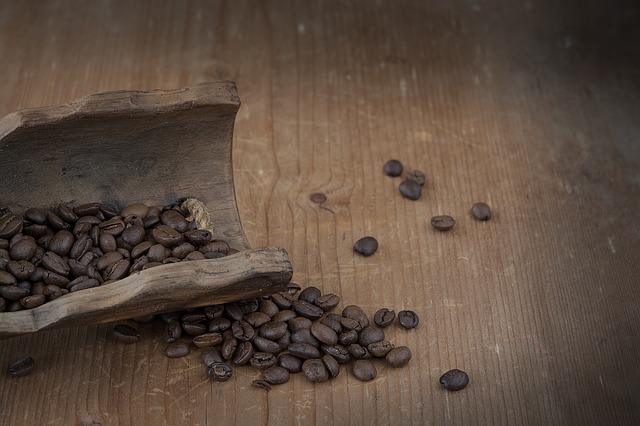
[
  {"x": 195, "y": 255},
  {"x": 36, "y": 231},
  {"x": 307, "y": 310},
  {"x": 332, "y": 365},
  {"x": 83, "y": 285},
  {"x": 4, "y": 244},
  {"x": 327, "y": 302},
  {"x": 257, "y": 319},
  {"x": 33, "y": 301},
  {"x": 24, "y": 249},
  {"x": 56, "y": 222},
  {"x": 284, "y": 341},
  {"x": 243, "y": 331},
  {"x": 233, "y": 311},
  {"x": 219, "y": 325},
  {"x": 333, "y": 323},
  {"x": 384, "y": 317},
  {"x": 380, "y": 349},
  {"x": 358, "y": 351},
  {"x": 243, "y": 353},
  {"x": 273, "y": 330},
  {"x": 21, "y": 367},
  {"x": 298, "y": 323},
  {"x": 182, "y": 250},
  {"x": 114, "y": 226},
  {"x": 10, "y": 225},
  {"x": 194, "y": 328},
  {"x": 371, "y": 334},
  {"x": 87, "y": 209},
  {"x": 290, "y": 363},
  {"x": 175, "y": 220},
  {"x": 339, "y": 352},
  {"x": 350, "y": 324},
  {"x": 124, "y": 252},
  {"x": 173, "y": 331},
  {"x": 13, "y": 292},
  {"x": 150, "y": 221},
  {"x": 80, "y": 247},
  {"x": 38, "y": 216},
  {"x": 207, "y": 340},
  {"x": 262, "y": 360},
  {"x": 303, "y": 350},
  {"x": 355, "y": 313},
  {"x": 7, "y": 279},
  {"x": 348, "y": 337},
  {"x": 364, "y": 370},
  {"x": 136, "y": 209},
  {"x": 266, "y": 345},
  {"x": 217, "y": 246},
  {"x": 276, "y": 375},
  {"x": 125, "y": 333},
  {"x": 304, "y": 336},
  {"x": 393, "y": 168},
  {"x": 443, "y": 222},
  {"x": 366, "y": 246},
  {"x": 454, "y": 380},
  {"x": 210, "y": 356},
  {"x": 133, "y": 235},
  {"x": 138, "y": 250},
  {"x": 52, "y": 278},
  {"x": 318, "y": 197},
  {"x": 198, "y": 237},
  {"x": 262, "y": 384},
  {"x": 61, "y": 242},
  {"x": 410, "y": 189},
  {"x": 25, "y": 285},
  {"x": 107, "y": 243},
  {"x": 284, "y": 316},
  {"x": 398, "y": 357},
  {"x": 309, "y": 294},
  {"x": 315, "y": 371},
  {"x": 228, "y": 348},
  {"x": 324, "y": 334},
  {"x": 55, "y": 263},
  {"x": 268, "y": 307},
  {"x": 282, "y": 301},
  {"x": 408, "y": 319},
  {"x": 219, "y": 371},
  {"x": 417, "y": 176},
  {"x": 117, "y": 270},
  {"x": 176, "y": 350},
  {"x": 37, "y": 288},
  {"x": 20, "y": 269},
  {"x": 481, "y": 211},
  {"x": 157, "y": 253}
]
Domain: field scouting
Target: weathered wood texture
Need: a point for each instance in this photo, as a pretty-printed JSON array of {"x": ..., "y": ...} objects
[{"x": 531, "y": 106}]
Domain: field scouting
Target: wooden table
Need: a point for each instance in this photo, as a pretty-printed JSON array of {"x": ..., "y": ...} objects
[{"x": 531, "y": 106}]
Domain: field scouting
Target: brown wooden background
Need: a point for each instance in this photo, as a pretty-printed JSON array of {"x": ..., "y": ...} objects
[{"x": 532, "y": 106}]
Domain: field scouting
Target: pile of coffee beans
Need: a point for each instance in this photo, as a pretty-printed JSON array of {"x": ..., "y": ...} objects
[
  {"x": 47, "y": 253},
  {"x": 411, "y": 185}
]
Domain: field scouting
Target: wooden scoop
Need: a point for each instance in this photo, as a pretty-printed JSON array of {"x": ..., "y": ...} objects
[{"x": 123, "y": 147}]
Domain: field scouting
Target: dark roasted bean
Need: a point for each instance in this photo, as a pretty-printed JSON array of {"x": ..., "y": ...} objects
[
  {"x": 198, "y": 237},
  {"x": 358, "y": 351},
  {"x": 125, "y": 333},
  {"x": 284, "y": 316},
  {"x": 133, "y": 235},
  {"x": 290, "y": 363},
  {"x": 371, "y": 334},
  {"x": 55, "y": 263},
  {"x": 443, "y": 222},
  {"x": 410, "y": 189},
  {"x": 21, "y": 269},
  {"x": 219, "y": 325},
  {"x": 268, "y": 307},
  {"x": 21, "y": 367},
  {"x": 299, "y": 323},
  {"x": 408, "y": 319},
  {"x": 33, "y": 301},
  {"x": 366, "y": 246},
  {"x": 282, "y": 300},
  {"x": 380, "y": 349},
  {"x": 276, "y": 375},
  {"x": 273, "y": 330},
  {"x": 315, "y": 371},
  {"x": 24, "y": 249},
  {"x": 61, "y": 242},
  {"x": 384, "y": 317},
  {"x": 262, "y": 384},
  {"x": 107, "y": 243},
  {"x": 355, "y": 313},
  {"x": 233, "y": 311},
  {"x": 309, "y": 294},
  {"x": 417, "y": 176},
  {"x": 348, "y": 337},
  {"x": 7, "y": 279},
  {"x": 266, "y": 345},
  {"x": 207, "y": 340},
  {"x": 307, "y": 310},
  {"x": 257, "y": 319},
  {"x": 243, "y": 353},
  {"x": 176, "y": 350},
  {"x": 211, "y": 355},
  {"x": 228, "y": 348},
  {"x": 243, "y": 331},
  {"x": 454, "y": 380},
  {"x": 332, "y": 365},
  {"x": 167, "y": 236},
  {"x": 304, "y": 336},
  {"x": 88, "y": 209},
  {"x": 324, "y": 334},
  {"x": 56, "y": 222},
  {"x": 219, "y": 371},
  {"x": 393, "y": 168},
  {"x": 398, "y": 357},
  {"x": 212, "y": 312},
  {"x": 80, "y": 247},
  {"x": 364, "y": 370},
  {"x": 332, "y": 323},
  {"x": 481, "y": 211},
  {"x": 327, "y": 302},
  {"x": 262, "y": 360},
  {"x": 38, "y": 216},
  {"x": 173, "y": 331}
]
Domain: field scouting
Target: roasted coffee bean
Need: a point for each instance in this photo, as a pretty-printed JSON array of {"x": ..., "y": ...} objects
[
  {"x": 215, "y": 311},
  {"x": 276, "y": 375},
  {"x": 219, "y": 371},
  {"x": 96, "y": 251},
  {"x": 371, "y": 334},
  {"x": 114, "y": 226},
  {"x": 167, "y": 236},
  {"x": 332, "y": 365},
  {"x": 350, "y": 324},
  {"x": 61, "y": 242},
  {"x": 15, "y": 239},
  {"x": 21, "y": 367},
  {"x": 233, "y": 311},
  {"x": 62, "y": 292},
  {"x": 195, "y": 255},
  {"x": 10, "y": 225},
  {"x": 107, "y": 243},
  {"x": 410, "y": 189},
  {"x": 38, "y": 216},
  {"x": 66, "y": 213},
  {"x": 366, "y": 246},
  {"x": 348, "y": 337},
  {"x": 273, "y": 330},
  {"x": 207, "y": 340},
  {"x": 364, "y": 370},
  {"x": 283, "y": 301},
  {"x": 257, "y": 319},
  {"x": 37, "y": 288},
  {"x": 211, "y": 355},
  {"x": 243, "y": 331},
  {"x": 307, "y": 310},
  {"x": 150, "y": 221},
  {"x": 133, "y": 220},
  {"x": 82, "y": 228},
  {"x": 107, "y": 211},
  {"x": 117, "y": 270},
  {"x": 303, "y": 350},
  {"x": 393, "y": 168},
  {"x": 26, "y": 285},
  {"x": 88, "y": 258},
  {"x": 56, "y": 222},
  {"x": 284, "y": 341},
  {"x": 248, "y": 306},
  {"x": 356, "y": 313},
  {"x": 266, "y": 345},
  {"x": 194, "y": 328},
  {"x": 92, "y": 220},
  {"x": 194, "y": 316},
  {"x": 125, "y": 333},
  {"x": 398, "y": 357},
  {"x": 37, "y": 257},
  {"x": 481, "y": 211},
  {"x": 36, "y": 231},
  {"x": 304, "y": 336},
  {"x": 133, "y": 235},
  {"x": 298, "y": 323},
  {"x": 408, "y": 319},
  {"x": 93, "y": 273},
  {"x": 358, "y": 351},
  {"x": 309, "y": 294},
  {"x": 87, "y": 209},
  {"x": 417, "y": 176},
  {"x": 268, "y": 307},
  {"x": 170, "y": 260},
  {"x": 182, "y": 250},
  {"x": 108, "y": 259},
  {"x": 13, "y": 292},
  {"x": 80, "y": 247},
  {"x": 454, "y": 380},
  {"x": 88, "y": 283},
  {"x": 23, "y": 249},
  {"x": 7, "y": 279},
  {"x": 50, "y": 289},
  {"x": 219, "y": 325},
  {"x": 243, "y": 353},
  {"x": 324, "y": 334},
  {"x": 443, "y": 222},
  {"x": 327, "y": 302},
  {"x": 139, "y": 249},
  {"x": 217, "y": 246},
  {"x": 384, "y": 317},
  {"x": 157, "y": 253},
  {"x": 173, "y": 331},
  {"x": 228, "y": 348},
  {"x": 52, "y": 278},
  {"x": 21, "y": 269},
  {"x": 380, "y": 349},
  {"x": 45, "y": 239},
  {"x": 175, "y": 220},
  {"x": 124, "y": 252},
  {"x": 198, "y": 237},
  {"x": 262, "y": 360},
  {"x": 176, "y": 350},
  {"x": 262, "y": 384},
  {"x": 136, "y": 209},
  {"x": 284, "y": 316},
  {"x": 55, "y": 263},
  {"x": 289, "y": 362},
  {"x": 315, "y": 371}
]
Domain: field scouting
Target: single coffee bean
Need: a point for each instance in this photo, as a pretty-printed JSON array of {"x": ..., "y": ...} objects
[
  {"x": 327, "y": 302},
  {"x": 150, "y": 221},
  {"x": 36, "y": 231},
  {"x": 309, "y": 294},
  {"x": 348, "y": 337},
  {"x": 213, "y": 312},
  {"x": 66, "y": 213},
  {"x": 82, "y": 228},
  {"x": 89, "y": 258},
  {"x": 33, "y": 301},
  {"x": 393, "y": 168},
  {"x": 171, "y": 260},
  {"x": 173, "y": 331},
  {"x": 107, "y": 243},
  {"x": 61, "y": 242},
  {"x": 273, "y": 330},
  {"x": 195, "y": 255},
  {"x": 303, "y": 350},
  {"x": 289, "y": 362},
  {"x": 332, "y": 365},
  {"x": 175, "y": 220},
  {"x": 410, "y": 189},
  {"x": 7, "y": 279},
  {"x": 193, "y": 317},
  {"x": 384, "y": 317},
  {"x": 350, "y": 324},
  {"x": 15, "y": 239},
  {"x": 366, "y": 246},
  {"x": 284, "y": 341},
  {"x": 371, "y": 334},
  {"x": 52, "y": 278},
  {"x": 194, "y": 328},
  {"x": 21, "y": 367},
  {"x": 211, "y": 355},
  {"x": 182, "y": 250},
  {"x": 50, "y": 289},
  {"x": 45, "y": 239},
  {"x": 108, "y": 259},
  {"x": 83, "y": 285},
  {"x": 219, "y": 371},
  {"x": 56, "y": 222},
  {"x": 356, "y": 313},
  {"x": 307, "y": 310},
  {"x": 228, "y": 348},
  {"x": 233, "y": 311},
  {"x": 4, "y": 243},
  {"x": 37, "y": 288},
  {"x": 24, "y": 249},
  {"x": 217, "y": 246},
  {"x": 266, "y": 345},
  {"x": 88, "y": 209},
  {"x": 257, "y": 319},
  {"x": 417, "y": 176},
  {"x": 298, "y": 323},
  {"x": 10, "y": 225},
  {"x": 339, "y": 352},
  {"x": 198, "y": 237},
  {"x": 139, "y": 249},
  {"x": 21, "y": 269},
  {"x": 114, "y": 226},
  {"x": 262, "y": 384},
  {"x": 481, "y": 211},
  {"x": 284, "y": 316},
  {"x": 124, "y": 252},
  {"x": 315, "y": 371},
  {"x": 262, "y": 360},
  {"x": 408, "y": 319},
  {"x": 268, "y": 307},
  {"x": 283, "y": 301},
  {"x": 324, "y": 333},
  {"x": 117, "y": 270},
  {"x": 243, "y": 331},
  {"x": 125, "y": 333},
  {"x": 219, "y": 325},
  {"x": 243, "y": 353},
  {"x": 398, "y": 357},
  {"x": 304, "y": 336},
  {"x": 55, "y": 263},
  {"x": 38, "y": 216},
  {"x": 454, "y": 380},
  {"x": 380, "y": 349},
  {"x": 443, "y": 222},
  {"x": 364, "y": 370},
  {"x": 157, "y": 253},
  {"x": 176, "y": 350},
  {"x": 207, "y": 340},
  {"x": 90, "y": 219},
  {"x": 133, "y": 235},
  {"x": 80, "y": 247},
  {"x": 276, "y": 375},
  {"x": 136, "y": 209},
  {"x": 358, "y": 351},
  {"x": 332, "y": 323}
]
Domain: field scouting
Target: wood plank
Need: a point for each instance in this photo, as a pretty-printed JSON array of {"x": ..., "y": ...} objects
[{"x": 532, "y": 107}]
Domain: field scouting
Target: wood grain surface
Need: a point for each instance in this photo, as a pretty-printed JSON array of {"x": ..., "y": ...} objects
[{"x": 532, "y": 106}]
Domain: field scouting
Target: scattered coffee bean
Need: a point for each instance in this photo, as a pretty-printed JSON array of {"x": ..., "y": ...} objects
[
  {"x": 257, "y": 319},
  {"x": 410, "y": 189},
  {"x": 273, "y": 330},
  {"x": 332, "y": 365},
  {"x": 366, "y": 246},
  {"x": 443, "y": 222},
  {"x": 266, "y": 345},
  {"x": 290, "y": 363},
  {"x": 210, "y": 356},
  {"x": 481, "y": 211},
  {"x": 304, "y": 336},
  {"x": 262, "y": 384},
  {"x": 384, "y": 317},
  {"x": 417, "y": 176},
  {"x": 358, "y": 351},
  {"x": 315, "y": 370},
  {"x": 284, "y": 316},
  {"x": 276, "y": 375},
  {"x": 398, "y": 357},
  {"x": 282, "y": 301},
  {"x": 364, "y": 370},
  {"x": 228, "y": 348},
  {"x": 219, "y": 325},
  {"x": 125, "y": 333},
  {"x": 454, "y": 380},
  {"x": 327, "y": 302},
  {"x": 380, "y": 349},
  {"x": 393, "y": 168},
  {"x": 219, "y": 371},
  {"x": 268, "y": 307},
  {"x": 298, "y": 323},
  {"x": 176, "y": 350},
  {"x": 262, "y": 360},
  {"x": 243, "y": 331},
  {"x": 21, "y": 367},
  {"x": 408, "y": 319},
  {"x": 33, "y": 301}
]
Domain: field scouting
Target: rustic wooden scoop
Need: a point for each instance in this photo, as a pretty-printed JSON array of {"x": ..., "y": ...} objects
[{"x": 129, "y": 146}]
